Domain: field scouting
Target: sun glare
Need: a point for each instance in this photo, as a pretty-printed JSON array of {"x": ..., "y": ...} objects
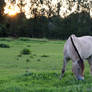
[{"x": 11, "y": 9}]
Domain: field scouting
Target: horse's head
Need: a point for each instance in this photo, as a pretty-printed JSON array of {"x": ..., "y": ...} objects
[{"x": 78, "y": 70}]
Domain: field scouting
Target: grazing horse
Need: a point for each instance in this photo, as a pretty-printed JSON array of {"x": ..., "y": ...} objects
[{"x": 77, "y": 49}]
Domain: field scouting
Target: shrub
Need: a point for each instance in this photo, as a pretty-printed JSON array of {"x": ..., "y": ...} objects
[
  {"x": 44, "y": 56},
  {"x": 19, "y": 55},
  {"x": 3, "y": 45},
  {"x": 24, "y": 39},
  {"x": 28, "y": 46},
  {"x": 27, "y": 60},
  {"x": 25, "y": 51}
]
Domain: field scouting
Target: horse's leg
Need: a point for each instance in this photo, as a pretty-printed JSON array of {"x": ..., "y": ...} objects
[
  {"x": 90, "y": 64},
  {"x": 64, "y": 67}
]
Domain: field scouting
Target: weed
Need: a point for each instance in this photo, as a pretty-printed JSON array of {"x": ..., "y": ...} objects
[
  {"x": 31, "y": 56},
  {"x": 28, "y": 45},
  {"x": 17, "y": 58},
  {"x": 45, "y": 56},
  {"x": 38, "y": 60},
  {"x": 3, "y": 45},
  {"x": 27, "y": 60},
  {"x": 34, "y": 55},
  {"x": 24, "y": 39},
  {"x": 20, "y": 55},
  {"x": 25, "y": 51}
]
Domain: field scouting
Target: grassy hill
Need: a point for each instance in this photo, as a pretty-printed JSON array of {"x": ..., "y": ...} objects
[{"x": 39, "y": 70}]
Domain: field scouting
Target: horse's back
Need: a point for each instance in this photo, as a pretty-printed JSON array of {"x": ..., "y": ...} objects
[{"x": 83, "y": 44}]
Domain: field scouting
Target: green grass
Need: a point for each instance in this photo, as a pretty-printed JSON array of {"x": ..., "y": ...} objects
[{"x": 38, "y": 71}]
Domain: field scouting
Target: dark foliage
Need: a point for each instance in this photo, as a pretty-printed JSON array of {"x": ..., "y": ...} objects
[
  {"x": 2, "y": 45},
  {"x": 52, "y": 28},
  {"x": 25, "y": 51}
]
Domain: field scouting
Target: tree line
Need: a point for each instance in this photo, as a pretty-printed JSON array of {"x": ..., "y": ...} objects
[{"x": 51, "y": 27}]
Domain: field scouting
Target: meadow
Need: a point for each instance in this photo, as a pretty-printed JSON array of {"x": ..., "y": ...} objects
[{"x": 39, "y": 70}]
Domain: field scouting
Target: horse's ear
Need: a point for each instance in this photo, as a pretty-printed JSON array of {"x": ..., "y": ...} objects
[{"x": 81, "y": 64}]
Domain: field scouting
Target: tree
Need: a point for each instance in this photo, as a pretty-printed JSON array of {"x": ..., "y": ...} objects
[{"x": 2, "y": 4}]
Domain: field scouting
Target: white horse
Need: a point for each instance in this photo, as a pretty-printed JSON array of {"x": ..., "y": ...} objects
[{"x": 77, "y": 49}]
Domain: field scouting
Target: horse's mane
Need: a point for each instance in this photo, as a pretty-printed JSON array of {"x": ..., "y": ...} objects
[{"x": 80, "y": 62}]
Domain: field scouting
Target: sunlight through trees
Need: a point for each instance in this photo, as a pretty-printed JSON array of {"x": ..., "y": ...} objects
[{"x": 48, "y": 8}]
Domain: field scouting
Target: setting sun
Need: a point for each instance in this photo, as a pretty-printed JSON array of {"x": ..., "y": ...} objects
[{"x": 11, "y": 10}]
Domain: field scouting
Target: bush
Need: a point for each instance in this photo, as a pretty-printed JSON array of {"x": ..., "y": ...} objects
[
  {"x": 44, "y": 56},
  {"x": 2, "y": 45},
  {"x": 25, "y": 51}
]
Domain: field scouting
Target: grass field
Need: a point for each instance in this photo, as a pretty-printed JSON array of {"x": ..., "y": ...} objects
[{"x": 38, "y": 71}]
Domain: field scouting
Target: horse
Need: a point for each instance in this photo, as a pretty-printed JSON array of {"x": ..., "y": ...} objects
[{"x": 77, "y": 49}]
